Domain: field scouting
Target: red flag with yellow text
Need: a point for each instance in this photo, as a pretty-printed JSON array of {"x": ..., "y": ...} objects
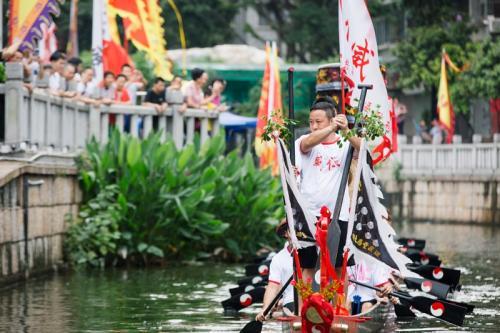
[{"x": 270, "y": 102}]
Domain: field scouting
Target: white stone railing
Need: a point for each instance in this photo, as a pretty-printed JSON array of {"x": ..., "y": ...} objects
[
  {"x": 475, "y": 159},
  {"x": 41, "y": 120}
]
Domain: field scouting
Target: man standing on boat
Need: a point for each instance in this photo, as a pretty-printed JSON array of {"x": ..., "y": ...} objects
[
  {"x": 322, "y": 160},
  {"x": 280, "y": 270}
]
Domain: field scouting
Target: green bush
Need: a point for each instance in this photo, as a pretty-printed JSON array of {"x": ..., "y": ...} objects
[
  {"x": 174, "y": 204},
  {"x": 2, "y": 73}
]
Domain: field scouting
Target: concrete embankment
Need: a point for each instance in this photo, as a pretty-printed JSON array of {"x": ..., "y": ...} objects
[{"x": 34, "y": 201}]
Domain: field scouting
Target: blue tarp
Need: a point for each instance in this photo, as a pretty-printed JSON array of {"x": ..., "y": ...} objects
[{"x": 232, "y": 121}]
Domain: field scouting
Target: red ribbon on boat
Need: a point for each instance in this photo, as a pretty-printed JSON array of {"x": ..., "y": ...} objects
[{"x": 327, "y": 271}]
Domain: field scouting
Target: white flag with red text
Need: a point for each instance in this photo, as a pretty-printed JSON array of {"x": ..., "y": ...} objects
[
  {"x": 100, "y": 36},
  {"x": 360, "y": 64}
]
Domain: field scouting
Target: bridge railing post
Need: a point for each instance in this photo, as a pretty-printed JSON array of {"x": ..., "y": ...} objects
[{"x": 16, "y": 114}]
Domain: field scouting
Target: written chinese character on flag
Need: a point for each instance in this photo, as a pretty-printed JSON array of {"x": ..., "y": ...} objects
[
  {"x": 360, "y": 64},
  {"x": 270, "y": 101}
]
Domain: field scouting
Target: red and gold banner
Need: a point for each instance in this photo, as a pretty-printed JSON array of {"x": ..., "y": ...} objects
[
  {"x": 270, "y": 102},
  {"x": 144, "y": 28}
]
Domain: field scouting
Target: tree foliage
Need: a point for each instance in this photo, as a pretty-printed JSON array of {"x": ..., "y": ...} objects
[
  {"x": 481, "y": 79},
  {"x": 308, "y": 28},
  {"x": 432, "y": 27},
  {"x": 206, "y": 23}
]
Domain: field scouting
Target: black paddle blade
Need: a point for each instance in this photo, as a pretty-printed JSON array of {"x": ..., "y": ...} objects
[
  {"x": 423, "y": 258},
  {"x": 413, "y": 243},
  {"x": 444, "y": 275},
  {"x": 263, "y": 257},
  {"x": 245, "y": 288},
  {"x": 252, "y": 327},
  {"x": 244, "y": 300},
  {"x": 261, "y": 269},
  {"x": 451, "y": 313},
  {"x": 252, "y": 280},
  {"x": 469, "y": 307},
  {"x": 333, "y": 241},
  {"x": 435, "y": 288},
  {"x": 403, "y": 311}
]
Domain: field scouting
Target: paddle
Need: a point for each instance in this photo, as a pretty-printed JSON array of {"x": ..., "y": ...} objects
[
  {"x": 469, "y": 307},
  {"x": 444, "y": 275},
  {"x": 243, "y": 300},
  {"x": 333, "y": 239},
  {"x": 255, "y": 326},
  {"x": 422, "y": 257},
  {"x": 252, "y": 280},
  {"x": 440, "y": 309},
  {"x": 245, "y": 288},
  {"x": 403, "y": 311},
  {"x": 448, "y": 276},
  {"x": 413, "y": 243},
  {"x": 261, "y": 269},
  {"x": 435, "y": 288},
  {"x": 264, "y": 257}
]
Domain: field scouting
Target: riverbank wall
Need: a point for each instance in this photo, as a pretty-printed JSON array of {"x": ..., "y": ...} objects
[{"x": 34, "y": 202}]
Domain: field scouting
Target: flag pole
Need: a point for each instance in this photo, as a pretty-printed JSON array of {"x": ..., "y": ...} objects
[{"x": 291, "y": 114}]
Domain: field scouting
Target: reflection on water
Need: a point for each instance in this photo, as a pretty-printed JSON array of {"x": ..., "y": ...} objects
[{"x": 187, "y": 298}]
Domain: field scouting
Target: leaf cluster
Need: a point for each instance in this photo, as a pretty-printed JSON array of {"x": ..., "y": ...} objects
[
  {"x": 280, "y": 125},
  {"x": 371, "y": 126}
]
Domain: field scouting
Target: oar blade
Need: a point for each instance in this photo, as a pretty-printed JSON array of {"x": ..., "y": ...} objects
[
  {"x": 423, "y": 258},
  {"x": 261, "y": 269},
  {"x": 403, "y": 311},
  {"x": 451, "y": 313},
  {"x": 413, "y": 243},
  {"x": 244, "y": 300},
  {"x": 245, "y": 288},
  {"x": 252, "y": 280},
  {"x": 435, "y": 288},
  {"x": 444, "y": 275},
  {"x": 252, "y": 327}
]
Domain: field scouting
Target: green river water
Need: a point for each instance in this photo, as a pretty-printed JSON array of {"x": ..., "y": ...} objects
[{"x": 187, "y": 298}]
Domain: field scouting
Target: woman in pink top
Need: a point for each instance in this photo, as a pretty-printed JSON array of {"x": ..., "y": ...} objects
[{"x": 194, "y": 90}]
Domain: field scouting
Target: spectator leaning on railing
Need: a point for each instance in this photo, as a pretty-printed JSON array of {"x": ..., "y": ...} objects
[
  {"x": 131, "y": 86},
  {"x": 57, "y": 61},
  {"x": 69, "y": 83},
  {"x": 121, "y": 93},
  {"x": 176, "y": 85},
  {"x": 215, "y": 91},
  {"x": 155, "y": 96},
  {"x": 106, "y": 89},
  {"x": 193, "y": 90}
]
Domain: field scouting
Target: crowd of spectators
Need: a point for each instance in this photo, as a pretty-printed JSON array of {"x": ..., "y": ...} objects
[{"x": 69, "y": 78}]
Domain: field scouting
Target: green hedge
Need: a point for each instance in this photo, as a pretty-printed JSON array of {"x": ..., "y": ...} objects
[{"x": 145, "y": 200}]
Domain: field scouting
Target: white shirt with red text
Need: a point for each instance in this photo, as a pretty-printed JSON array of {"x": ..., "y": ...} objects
[{"x": 321, "y": 174}]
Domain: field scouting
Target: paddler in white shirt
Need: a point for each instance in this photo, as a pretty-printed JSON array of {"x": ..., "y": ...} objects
[{"x": 280, "y": 270}]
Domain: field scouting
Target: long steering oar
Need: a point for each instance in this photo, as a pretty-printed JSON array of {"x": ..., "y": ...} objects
[
  {"x": 440, "y": 309},
  {"x": 333, "y": 239},
  {"x": 255, "y": 326}
]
